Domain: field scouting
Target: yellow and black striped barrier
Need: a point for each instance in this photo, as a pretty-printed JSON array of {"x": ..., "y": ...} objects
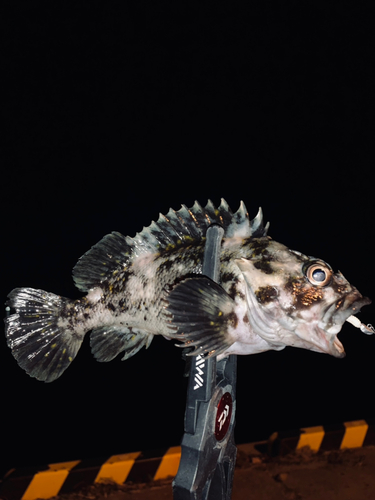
[
  {"x": 53, "y": 479},
  {"x": 141, "y": 467},
  {"x": 353, "y": 434}
]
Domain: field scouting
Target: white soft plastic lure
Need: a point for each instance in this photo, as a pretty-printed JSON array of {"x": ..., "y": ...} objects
[
  {"x": 269, "y": 296},
  {"x": 367, "y": 329}
]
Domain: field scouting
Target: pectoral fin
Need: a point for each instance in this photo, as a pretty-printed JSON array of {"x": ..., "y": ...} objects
[{"x": 199, "y": 313}]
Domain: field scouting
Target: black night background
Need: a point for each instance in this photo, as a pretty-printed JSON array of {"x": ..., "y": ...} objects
[{"x": 116, "y": 111}]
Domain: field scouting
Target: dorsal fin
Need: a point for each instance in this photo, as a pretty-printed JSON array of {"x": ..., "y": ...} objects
[
  {"x": 101, "y": 260},
  {"x": 116, "y": 252}
]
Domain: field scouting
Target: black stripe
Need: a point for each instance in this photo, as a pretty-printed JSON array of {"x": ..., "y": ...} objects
[
  {"x": 82, "y": 474},
  {"x": 145, "y": 466},
  {"x": 13, "y": 489},
  {"x": 333, "y": 436},
  {"x": 285, "y": 442},
  {"x": 370, "y": 435}
]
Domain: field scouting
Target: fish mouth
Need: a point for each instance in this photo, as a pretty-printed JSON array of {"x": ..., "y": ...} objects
[
  {"x": 326, "y": 331},
  {"x": 336, "y": 314}
]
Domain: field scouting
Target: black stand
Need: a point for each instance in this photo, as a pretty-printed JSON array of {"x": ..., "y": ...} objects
[{"x": 208, "y": 452}]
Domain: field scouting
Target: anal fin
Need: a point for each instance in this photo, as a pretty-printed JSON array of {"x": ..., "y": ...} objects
[{"x": 109, "y": 341}]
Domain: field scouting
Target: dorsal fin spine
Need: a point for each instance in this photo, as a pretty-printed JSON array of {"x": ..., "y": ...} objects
[
  {"x": 257, "y": 223},
  {"x": 212, "y": 212},
  {"x": 193, "y": 230},
  {"x": 199, "y": 216},
  {"x": 175, "y": 222}
]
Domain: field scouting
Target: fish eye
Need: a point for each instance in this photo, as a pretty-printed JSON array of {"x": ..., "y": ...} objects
[{"x": 318, "y": 274}]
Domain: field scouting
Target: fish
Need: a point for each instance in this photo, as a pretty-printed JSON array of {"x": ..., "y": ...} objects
[{"x": 268, "y": 296}]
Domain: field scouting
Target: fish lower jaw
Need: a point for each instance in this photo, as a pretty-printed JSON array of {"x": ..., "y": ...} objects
[
  {"x": 339, "y": 348},
  {"x": 318, "y": 339},
  {"x": 334, "y": 348},
  {"x": 331, "y": 343}
]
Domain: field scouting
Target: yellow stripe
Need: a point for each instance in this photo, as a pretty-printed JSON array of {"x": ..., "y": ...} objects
[
  {"x": 355, "y": 434},
  {"x": 169, "y": 463},
  {"x": 312, "y": 437},
  {"x": 117, "y": 467},
  {"x": 47, "y": 484}
]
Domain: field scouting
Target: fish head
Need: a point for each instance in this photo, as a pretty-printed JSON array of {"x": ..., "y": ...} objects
[{"x": 297, "y": 300}]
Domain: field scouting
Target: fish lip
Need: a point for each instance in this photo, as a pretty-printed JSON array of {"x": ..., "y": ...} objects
[{"x": 336, "y": 315}]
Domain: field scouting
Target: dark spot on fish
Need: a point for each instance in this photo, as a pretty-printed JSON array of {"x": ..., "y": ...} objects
[
  {"x": 259, "y": 246},
  {"x": 144, "y": 318},
  {"x": 247, "y": 241},
  {"x": 264, "y": 266},
  {"x": 165, "y": 266},
  {"x": 245, "y": 319},
  {"x": 232, "y": 292},
  {"x": 111, "y": 307},
  {"x": 266, "y": 294},
  {"x": 226, "y": 277},
  {"x": 226, "y": 257},
  {"x": 292, "y": 284},
  {"x": 232, "y": 319}
]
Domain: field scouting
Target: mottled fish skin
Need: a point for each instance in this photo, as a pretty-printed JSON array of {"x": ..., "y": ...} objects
[{"x": 269, "y": 296}]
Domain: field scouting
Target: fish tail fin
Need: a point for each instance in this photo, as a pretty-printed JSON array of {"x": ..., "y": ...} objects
[
  {"x": 201, "y": 314},
  {"x": 43, "y": 345}
]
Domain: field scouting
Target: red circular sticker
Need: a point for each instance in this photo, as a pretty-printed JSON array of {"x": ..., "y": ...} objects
[{"x": 223, "y": 416}]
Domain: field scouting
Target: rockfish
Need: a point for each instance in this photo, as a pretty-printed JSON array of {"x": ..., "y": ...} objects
[{"x": 269, "y": 296}]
